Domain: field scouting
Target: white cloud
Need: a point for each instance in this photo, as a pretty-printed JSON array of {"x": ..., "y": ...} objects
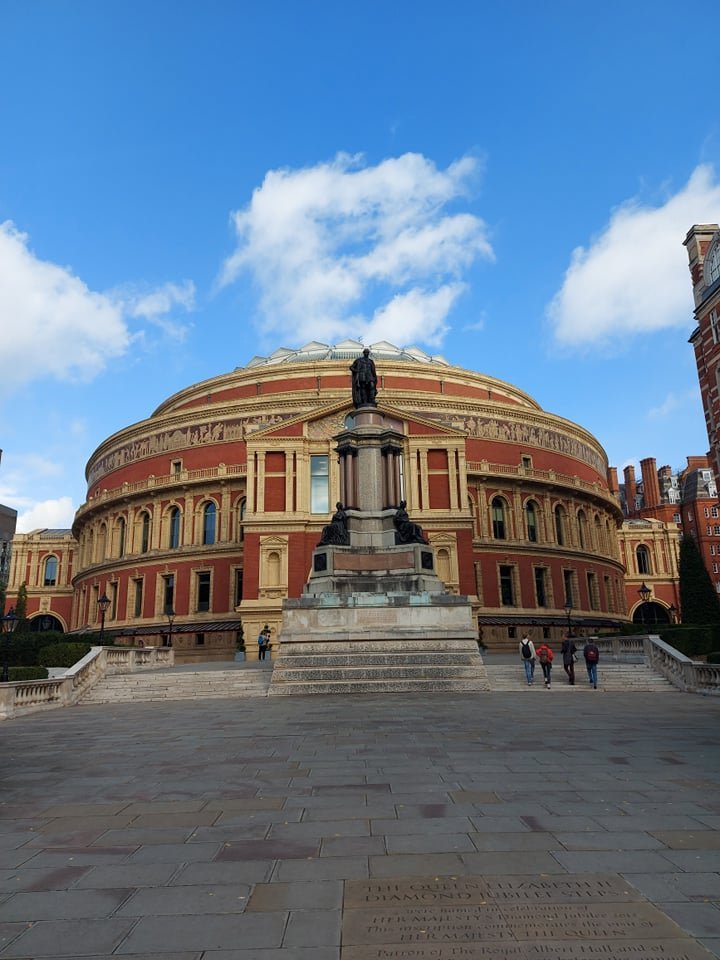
[
  {"x": 344, "y": 249},
  {"x": 634, "y": 278},
  {"x": 57, "y": 514},
  {"x": 669, "y": 404},
  {"x": 162, "y": 299},
  {"x": 54, "y": 325}
]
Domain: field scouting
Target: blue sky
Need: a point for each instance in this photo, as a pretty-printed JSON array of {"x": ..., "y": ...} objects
[{"x": 184, "y": 185}]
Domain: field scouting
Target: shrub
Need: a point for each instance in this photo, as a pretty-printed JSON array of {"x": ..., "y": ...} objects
[
  {"x": 62, "y": 654},
  {"x": 27, "y": 673},
  {"x": 693, "y": 641},
  {"x": 714, "y": 657}
]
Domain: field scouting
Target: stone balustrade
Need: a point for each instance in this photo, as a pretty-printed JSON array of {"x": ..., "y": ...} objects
[
  {"x": 542, "y": 476},
  {"x": 684, "y": 673},
  {"x": 28, "y": 696}
]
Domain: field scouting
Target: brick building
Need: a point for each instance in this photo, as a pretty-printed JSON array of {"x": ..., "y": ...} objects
[{"x": 211, "y": 507}]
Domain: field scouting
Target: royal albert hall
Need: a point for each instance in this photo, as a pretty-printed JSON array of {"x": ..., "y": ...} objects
[{"x": 200, "y": 520}]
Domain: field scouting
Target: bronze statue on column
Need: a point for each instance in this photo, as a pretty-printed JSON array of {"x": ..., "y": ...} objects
[{"x": 364, "y": 381}]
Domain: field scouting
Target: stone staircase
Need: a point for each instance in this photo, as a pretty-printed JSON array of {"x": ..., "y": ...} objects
[
  {"x": 181, "y": 684},
  {"x": 613, "y": 676},
  {"x": 378, "y": 666},
  {"x": 388, "y": 667}
]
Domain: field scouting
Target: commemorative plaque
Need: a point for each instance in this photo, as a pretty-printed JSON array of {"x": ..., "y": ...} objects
[{"x": 508, "y": 918}]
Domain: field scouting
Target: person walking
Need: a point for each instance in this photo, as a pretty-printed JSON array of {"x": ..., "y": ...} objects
[
  {"x": 545, "y": 656},
  {"x": 568, "y": 650},
  {"x": 592, "y": 656},
  {"x": 527, "y": 653}
]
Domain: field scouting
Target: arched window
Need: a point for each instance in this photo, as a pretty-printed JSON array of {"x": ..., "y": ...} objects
[
  {"x": 560, "y": 525},
  {"x": 101, "y": 542},
  {"x": 582, "y": 529},
  {"x": 241, "y": 519},
  {"x": 121, "y": 536},
  {"x": 174, "y": 531},
  {"x": 498, "y": 518},
  {"x": 209, "y": 518},
  {"x": 531, "y": 521},
  {"x": 643, "y": 559},
  {"x": 144, "y": 531},
  {"x": 51, "y": 570}
]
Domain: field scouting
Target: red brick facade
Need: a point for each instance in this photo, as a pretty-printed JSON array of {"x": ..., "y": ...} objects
[{"x": 214, "y": 503}]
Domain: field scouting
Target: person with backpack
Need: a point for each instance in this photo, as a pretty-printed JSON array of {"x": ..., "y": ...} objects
[
  {"x": 527, "y": 653},
  {"x": 545, "y": 656},
  {"x": 592, "y": 655},
  {"x": 568, "y": 651}
]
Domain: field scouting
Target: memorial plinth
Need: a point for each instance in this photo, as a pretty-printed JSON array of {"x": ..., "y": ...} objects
[{"x": 374, "y": 615}]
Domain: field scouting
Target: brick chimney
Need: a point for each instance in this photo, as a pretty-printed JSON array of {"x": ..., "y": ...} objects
[
  {"x": 612, "y": 479},
  {"x": 651, "y": 484},
  {"x": 630, "y": 489}
]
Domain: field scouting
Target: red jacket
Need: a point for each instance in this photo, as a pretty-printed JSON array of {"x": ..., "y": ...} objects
[{"x": 544, "y": 650}]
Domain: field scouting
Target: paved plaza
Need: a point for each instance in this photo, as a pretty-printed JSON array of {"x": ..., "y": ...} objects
[{"x": 406, "y": 827}]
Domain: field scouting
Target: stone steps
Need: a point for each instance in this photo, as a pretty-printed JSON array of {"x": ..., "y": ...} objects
[
  {"x": 185, "y": 685},
  {"x": 624, "y": 677},
  {"x": 378, "y": 666},
  {"x": 404, "y": 673}
]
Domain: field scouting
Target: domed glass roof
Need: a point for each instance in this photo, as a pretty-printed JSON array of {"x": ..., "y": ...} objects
[{"x": 345, "y": 350}]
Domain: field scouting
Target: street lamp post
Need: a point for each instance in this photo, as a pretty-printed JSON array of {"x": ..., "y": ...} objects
[
  {"x": 103, "y": 604},
  {"x": 170, "y": 614},
  {"x": 645, "y": 594},
  {"x": 9, "y": 622}
]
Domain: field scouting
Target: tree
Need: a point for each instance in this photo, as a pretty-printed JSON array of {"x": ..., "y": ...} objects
[
  {"x": 21, "y": 605},
  {"x": 698, "y": 600}
]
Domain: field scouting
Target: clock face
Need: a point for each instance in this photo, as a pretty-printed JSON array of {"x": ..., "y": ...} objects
[{"x": 712, "y": 262}]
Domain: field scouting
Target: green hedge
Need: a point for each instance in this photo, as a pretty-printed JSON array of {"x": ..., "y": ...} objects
[
  {"x": 62, "y": 654},
  {"x": 27, "y": 673},
  {"x": 23, "y": 649},
  {"x": 693, "y": 641}
]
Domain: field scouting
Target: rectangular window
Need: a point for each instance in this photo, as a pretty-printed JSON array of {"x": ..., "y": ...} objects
[
  {"x": 569, "y": 592},
  {"x": 319, "y": 485},
  {"x": 676, "y": 518},
  {"x": 507, "y": 598},
  {"x": 593, "y": 592},
  {"x": 608, "y": 594},
  {"x": 714, "y": 513},
  {"x": 176, "y": 467},
  {"x": 199, "y": 639},
  {"x": 541, "y": 586},
  {"x": 512, "y": 633},
  {"x": 203, "y": 591},
  {"x": 712, "y": 549},
  {"x": 715, "y": 567},
  {"x": 238, "y": 591},
  {"x": 113, "y": 601},
  {"x": 707, "y": 511},
  {"x": 527, "y": 462},
  {"x": 709, "y": 530},
  {"x": 716, "y": 530},
  {"x": 138, "y": 603},
  {"x": 168, "y": 588}
]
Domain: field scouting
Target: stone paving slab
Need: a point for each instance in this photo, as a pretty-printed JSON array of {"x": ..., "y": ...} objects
[{"x": 214, "y": 842}]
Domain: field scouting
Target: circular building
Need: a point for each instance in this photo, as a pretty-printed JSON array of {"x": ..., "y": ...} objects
[{"x": 201, "y": 520}]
